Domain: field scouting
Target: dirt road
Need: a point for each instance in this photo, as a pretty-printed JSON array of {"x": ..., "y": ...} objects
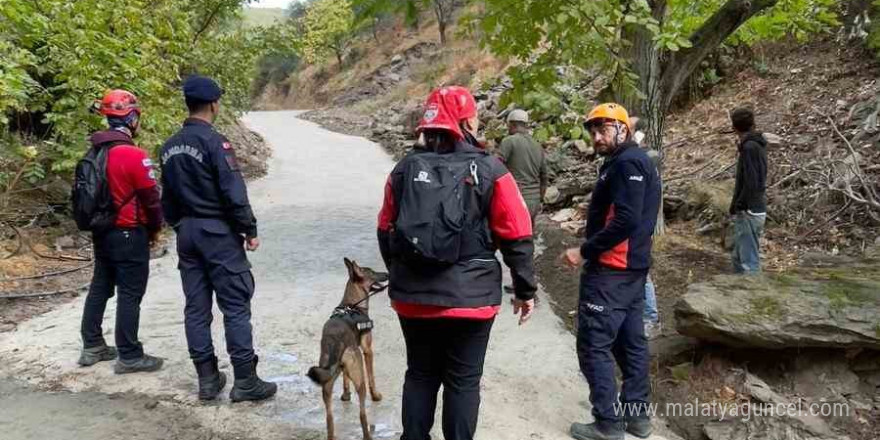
[{"x": 318, "y": 205}]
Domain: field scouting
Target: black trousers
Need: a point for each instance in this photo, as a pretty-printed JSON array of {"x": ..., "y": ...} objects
[
  {"x": 213, "y": 260},
  {"x": 448, "y": 352},
  {"x": 611, "y": 329},
  {"x": 122, "y": 265}
]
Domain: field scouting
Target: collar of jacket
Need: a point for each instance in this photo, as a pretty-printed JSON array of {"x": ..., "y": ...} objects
[
  {"x": 196, "y": 121},
  {"x": 111, "y": 136},
  {"x": 754, "y": 136}
]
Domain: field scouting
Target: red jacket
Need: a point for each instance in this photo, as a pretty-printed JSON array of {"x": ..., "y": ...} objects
[
  {"x": 132, "y": 181},
  {"x": 470, "y": 288}
]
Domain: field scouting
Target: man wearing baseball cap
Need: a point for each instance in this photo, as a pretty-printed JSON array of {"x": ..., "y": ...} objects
[{"x": 205, "y": 200}]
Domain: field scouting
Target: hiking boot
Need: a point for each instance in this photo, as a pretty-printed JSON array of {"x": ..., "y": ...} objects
[
  {"x": 248, "y": 386},
  {"x": 91, "y": 356},
  {"x": 211, "y": 380},
  {"x": 145, "y": 364},
  {"x": 597, "y": 431},
  {"x": 639, "y": 426}
]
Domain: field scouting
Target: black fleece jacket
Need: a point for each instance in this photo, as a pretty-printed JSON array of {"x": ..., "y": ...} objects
[{"x": 751, "y": 175}]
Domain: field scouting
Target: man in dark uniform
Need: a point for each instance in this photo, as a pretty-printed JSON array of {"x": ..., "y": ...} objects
[
  {"x": 616, "y": 257},
  {"x": 205, "y": 199}
]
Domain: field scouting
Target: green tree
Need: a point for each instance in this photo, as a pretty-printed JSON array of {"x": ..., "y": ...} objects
[
  {"x": 647, "y": 48},
  {"x": 329, "y": 28},
  {"x": 57, "y": 56},
  {"x": 411, "y": 10}
]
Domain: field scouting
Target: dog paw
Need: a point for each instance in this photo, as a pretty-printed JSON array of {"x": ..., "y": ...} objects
[
  {"x": 346, "y": 397},
  {"x": 377, "y": 397}
]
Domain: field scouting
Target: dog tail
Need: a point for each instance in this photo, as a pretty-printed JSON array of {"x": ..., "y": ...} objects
[
  {"x": 319, "y": 375},
  {"x": 331, "y": 356}
]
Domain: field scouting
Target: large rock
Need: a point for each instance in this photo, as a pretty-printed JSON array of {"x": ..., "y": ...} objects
[
  {"x": 828, "y": 307},
  {"x": 564, "y": 215},
  {"x": 824, "y": 377},
  {"x": 767, "y": 428}
]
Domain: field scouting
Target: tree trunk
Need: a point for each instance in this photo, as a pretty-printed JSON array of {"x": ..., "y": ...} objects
[
  {"x": 645, "y": 62},
  {"x": 726, "y": 20},
  {"x": 659, "y": 83},
  {"x": 441, "y": 13},
  {"x": 375, "y": 29}
]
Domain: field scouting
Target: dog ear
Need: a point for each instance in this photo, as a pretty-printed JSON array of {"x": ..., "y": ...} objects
[{"x": 354, "y": 271}]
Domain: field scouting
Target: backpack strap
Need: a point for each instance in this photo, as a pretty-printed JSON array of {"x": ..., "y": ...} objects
[{"x": 107, "y": 147}]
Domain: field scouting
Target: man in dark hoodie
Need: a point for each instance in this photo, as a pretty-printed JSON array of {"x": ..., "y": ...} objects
[
  {"x": 749, "y": 204},
  {"x": 122, "y": 254}
]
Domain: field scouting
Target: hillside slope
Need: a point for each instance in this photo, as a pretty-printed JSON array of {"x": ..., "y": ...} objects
[{"x": 796, "y": 90}]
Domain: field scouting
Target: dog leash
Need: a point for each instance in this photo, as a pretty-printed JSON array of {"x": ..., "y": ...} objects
[{"x": 375, "y": 289}]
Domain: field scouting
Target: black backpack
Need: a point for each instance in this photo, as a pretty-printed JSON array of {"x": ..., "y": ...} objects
[
  {"x": 93, "y": 208},
  {"x": 436, "y": 194}
]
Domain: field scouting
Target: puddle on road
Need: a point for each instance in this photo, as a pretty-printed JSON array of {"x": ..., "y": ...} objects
[
  {"x": 300, "y": 404},
  {"x": 284, "y": 358}
]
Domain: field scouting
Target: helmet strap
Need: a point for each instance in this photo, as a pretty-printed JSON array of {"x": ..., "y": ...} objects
[{"x": 616, "y": 135}]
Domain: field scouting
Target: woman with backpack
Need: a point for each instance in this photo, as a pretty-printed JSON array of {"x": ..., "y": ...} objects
[{"x": 446, "y": 211}]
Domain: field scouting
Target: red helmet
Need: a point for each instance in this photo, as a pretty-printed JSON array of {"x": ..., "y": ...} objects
[
  {"x": 118, "y": 103},
  {"x": 441, "y": 113},
  {"x": 462, "y": 101}
]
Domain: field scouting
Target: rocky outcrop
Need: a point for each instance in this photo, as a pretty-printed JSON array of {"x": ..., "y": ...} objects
[
  {"x": 835, "y": 308},
  {"x": 387, "y": 76},
  {"x": 251, "y": 149},
  {"x": 773, "y": 415}
]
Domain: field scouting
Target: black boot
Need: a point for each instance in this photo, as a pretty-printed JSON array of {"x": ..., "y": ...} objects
[
  {"x": 639, "y": 426},
  {"x": 145, "y": 364},
  {"x": 211, "y": 380},
  {"x": 91, "y": 356},
  {"x": 597, "y": 431},
  {"x": 248, "y": 386}
]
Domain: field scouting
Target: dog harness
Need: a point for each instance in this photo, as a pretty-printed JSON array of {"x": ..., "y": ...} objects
[{"x": 354, "y": 317}]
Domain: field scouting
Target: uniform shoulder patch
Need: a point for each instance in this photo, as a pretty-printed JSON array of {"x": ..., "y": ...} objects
[{"x": 227, "y": 145}]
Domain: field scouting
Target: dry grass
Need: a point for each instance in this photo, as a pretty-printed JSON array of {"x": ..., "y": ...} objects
[{"x": 460, "y": 62}]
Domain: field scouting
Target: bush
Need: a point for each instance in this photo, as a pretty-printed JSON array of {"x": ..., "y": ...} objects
[{"x": 58, "y": 56}]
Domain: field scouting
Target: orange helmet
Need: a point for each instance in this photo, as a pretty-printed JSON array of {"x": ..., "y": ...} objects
[
  {"x": 118, "y": 103},
  {"x": 611, "y": 111}
]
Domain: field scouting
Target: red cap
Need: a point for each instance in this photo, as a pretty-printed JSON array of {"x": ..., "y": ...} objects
[
  {"x": 441, "y": 113},
  {"x": 462, "y": 101},
  {"x": 119, "y": 103}
]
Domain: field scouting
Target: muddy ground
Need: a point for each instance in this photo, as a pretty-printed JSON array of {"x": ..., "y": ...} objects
[{"x": 38, "y": 414}]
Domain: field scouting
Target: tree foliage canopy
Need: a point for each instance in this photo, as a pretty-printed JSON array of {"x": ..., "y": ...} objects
[
  {"x": 544, "y": 34},
  {"x": 57, "y": 56},
  {"x": 329, "y": 26}
]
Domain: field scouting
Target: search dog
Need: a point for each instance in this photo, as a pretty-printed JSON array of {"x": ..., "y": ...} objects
[{"x": 347, "y": 344}]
